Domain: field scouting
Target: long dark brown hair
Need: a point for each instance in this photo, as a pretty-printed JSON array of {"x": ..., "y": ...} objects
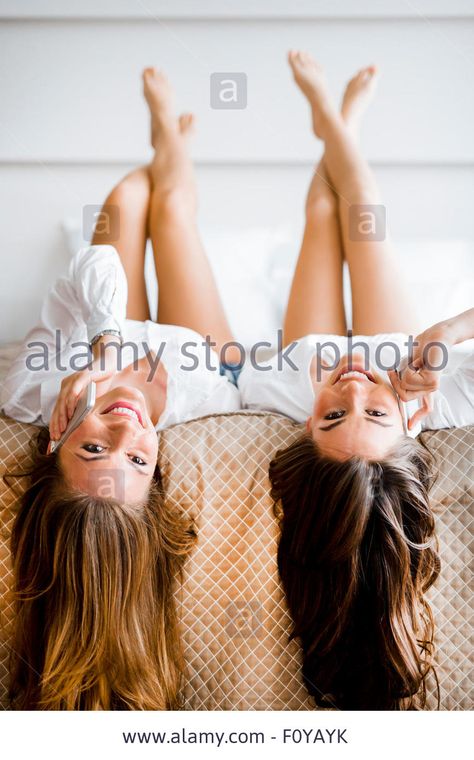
[
  {"x": 357, "y": 553},
  {"x": 96, "y": 626}
]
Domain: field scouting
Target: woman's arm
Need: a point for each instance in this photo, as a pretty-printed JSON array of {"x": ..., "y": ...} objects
[
  {"x": 92, "y": 296},
  {"x": 102, "y": 368},
  {"x": 449, "y": 397},
  {"x": 460, "y": 327},
  {"x": 421, "y": 374},
  {"x": 101, "y": 287}
]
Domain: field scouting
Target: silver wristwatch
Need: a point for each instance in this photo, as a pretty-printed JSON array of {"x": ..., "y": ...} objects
[{"x": 97, "y": 337}]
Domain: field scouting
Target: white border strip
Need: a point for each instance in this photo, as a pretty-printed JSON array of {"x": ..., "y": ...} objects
[{"x": 235, "y": 9}]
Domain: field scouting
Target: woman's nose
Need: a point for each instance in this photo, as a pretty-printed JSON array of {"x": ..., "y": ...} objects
[
  {"x": 123, "y": 428},
  {"x": 354, "y": 389}
]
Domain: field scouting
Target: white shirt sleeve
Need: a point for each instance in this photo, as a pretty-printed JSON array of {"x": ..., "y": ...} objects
[
  {"x": 453, "y": 402},
  {"x": 92, "y": 296},
  {"x": 100, "y": 285}
]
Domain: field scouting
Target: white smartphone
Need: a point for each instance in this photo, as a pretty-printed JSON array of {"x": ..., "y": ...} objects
[
  {"x": 407, "y": 410},
  {"x": 85, "y": 404}
]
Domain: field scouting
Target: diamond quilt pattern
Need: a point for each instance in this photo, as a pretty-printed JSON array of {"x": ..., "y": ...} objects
[{"x": 235, "y": 624}]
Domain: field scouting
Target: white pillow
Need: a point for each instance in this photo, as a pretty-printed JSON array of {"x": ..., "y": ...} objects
[
  {"x": 253, "y": 268},
  {"x": 246, "y": 264}
]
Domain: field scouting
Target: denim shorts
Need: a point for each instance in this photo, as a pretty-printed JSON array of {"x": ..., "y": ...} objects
[{"x": 231, "y": 372}]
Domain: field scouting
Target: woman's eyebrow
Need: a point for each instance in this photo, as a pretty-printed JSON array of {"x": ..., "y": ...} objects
[
  {"x": 92, "y": 459},
  {"x": 106, "y": 456},
  {"x": 333, "y": 425},
  {"x": 376, "y": 422},
  {"x": 369, "y": 419}
]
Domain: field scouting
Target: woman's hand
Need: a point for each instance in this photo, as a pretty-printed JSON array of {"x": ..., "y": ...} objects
[
  {"x": 420, "y": 376},
  {"x": 101, "y": 369}
]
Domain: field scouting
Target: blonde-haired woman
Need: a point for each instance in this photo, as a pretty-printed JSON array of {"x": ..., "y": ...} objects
[{"x": 96, "y": 550}]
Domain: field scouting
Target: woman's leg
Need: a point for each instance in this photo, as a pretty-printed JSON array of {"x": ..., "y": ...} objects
[
  {"x": 316, "y": 298},
  {"x": 315, "y": 303},
  {"x": 188, "y": 294},
  {"x": 381, "y": 301},
  {"x": 123, "y": 224}
]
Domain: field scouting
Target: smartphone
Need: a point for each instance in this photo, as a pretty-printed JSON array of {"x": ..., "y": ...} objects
[
  {"x": 85, "y": 404},
  {"x": 407, "y": 410}
]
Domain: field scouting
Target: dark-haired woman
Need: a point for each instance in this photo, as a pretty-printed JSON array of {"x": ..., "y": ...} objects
[
  {"x": 95, "y": 550},
  {"x": 357, "y": 550}
]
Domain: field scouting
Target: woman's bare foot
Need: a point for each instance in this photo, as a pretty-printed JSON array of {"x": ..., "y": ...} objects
[
  {"x": 171, "y": 168},
  {"x": 357, "y": 96},
  {"x": 159, "y": 96},
  {"x": 310, "y": 78}
]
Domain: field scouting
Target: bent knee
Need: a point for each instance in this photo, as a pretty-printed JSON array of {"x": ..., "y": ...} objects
[
  {"x": 133, "y": 189},
  {"x": 321, "y": 205},
  {"x": 174, "y": 202}
]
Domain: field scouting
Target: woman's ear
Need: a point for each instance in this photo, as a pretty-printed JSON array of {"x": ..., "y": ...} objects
[{"x": 309, "y": 424}]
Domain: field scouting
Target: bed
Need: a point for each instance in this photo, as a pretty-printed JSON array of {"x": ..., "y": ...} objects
[{"x": 234, "y": 620}]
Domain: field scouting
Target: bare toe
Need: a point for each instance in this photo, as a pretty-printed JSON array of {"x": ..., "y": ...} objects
[{"x": 186, "y": 124}]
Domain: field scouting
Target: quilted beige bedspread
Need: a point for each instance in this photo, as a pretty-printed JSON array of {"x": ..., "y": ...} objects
[{"x": 234, "y": 621}]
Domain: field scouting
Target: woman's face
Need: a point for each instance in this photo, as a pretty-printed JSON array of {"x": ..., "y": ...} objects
[
  {"x": 355, "y": 413},
  {"x": 113, "y": 452}
]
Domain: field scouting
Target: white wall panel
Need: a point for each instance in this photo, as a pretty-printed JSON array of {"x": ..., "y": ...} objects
[
  {"x": 231, "y": 9},
  {"x": 73, "y": 119},
  {"x": 71, "y": 90}
]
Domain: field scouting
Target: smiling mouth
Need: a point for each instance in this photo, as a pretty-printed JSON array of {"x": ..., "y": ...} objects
[
  {"x": 356, "y": 373},
  {"x": 124, "y": 409}
]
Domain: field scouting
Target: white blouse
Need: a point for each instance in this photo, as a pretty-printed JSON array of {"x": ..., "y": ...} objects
[
  {"x": 289, "y": 390},
  {"x": 91, "y": 298}
]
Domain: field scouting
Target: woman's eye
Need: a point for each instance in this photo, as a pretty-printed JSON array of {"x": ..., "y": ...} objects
[
  {"x": 93, "y": 448},
  {"x": 138, "y": 460},
  {"x": 335, "y": 415},
  {"x": 375, "y": 413}
]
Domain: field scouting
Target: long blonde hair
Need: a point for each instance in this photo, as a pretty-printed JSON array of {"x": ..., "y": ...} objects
[{"x": 96, "y": 625}]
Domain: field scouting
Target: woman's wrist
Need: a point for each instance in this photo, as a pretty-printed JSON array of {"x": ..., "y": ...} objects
[
  {"x": 106, "y": 350},
  {"x": 447, "y": 332},
  {"x": 460, "y": 327}
]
